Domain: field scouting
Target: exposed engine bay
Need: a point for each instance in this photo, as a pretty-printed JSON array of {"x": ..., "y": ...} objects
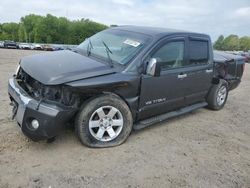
[{"x": 56, "y": 93}]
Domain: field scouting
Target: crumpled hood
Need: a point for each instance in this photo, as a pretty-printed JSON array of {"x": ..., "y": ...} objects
[{"x": 62, "y": 66}]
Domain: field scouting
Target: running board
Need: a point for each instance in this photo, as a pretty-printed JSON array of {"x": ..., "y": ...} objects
[{"x": 156, "y": 119}]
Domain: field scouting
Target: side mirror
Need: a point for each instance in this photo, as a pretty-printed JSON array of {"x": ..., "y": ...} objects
[{"x": 153, "y": 67}]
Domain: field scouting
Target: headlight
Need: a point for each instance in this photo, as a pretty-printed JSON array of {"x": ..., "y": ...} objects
[{"x": 17, "y": 69}]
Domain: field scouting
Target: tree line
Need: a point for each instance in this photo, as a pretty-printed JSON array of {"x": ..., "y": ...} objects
[
  {"x": 49, "y": 29},
  {"x": 232, "y": 42}
]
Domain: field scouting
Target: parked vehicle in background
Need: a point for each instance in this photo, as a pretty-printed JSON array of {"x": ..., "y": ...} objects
[
  {"x": 37, "y": 47},
  {"x": 10, "y": 44},
  {"x": 121, "y": 78},
  {"x": 69, "y": 47},
  {"x": 24, "y": 46},
  {"x": 48, "y": 47},
  {"x": 1, "y": 44},
  {"x": 57, "y": 47}
]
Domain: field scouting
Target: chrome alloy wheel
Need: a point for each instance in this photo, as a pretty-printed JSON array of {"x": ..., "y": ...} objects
[
  {"x": 221, "y": 96},
  {"x": 106, "y": 123}
]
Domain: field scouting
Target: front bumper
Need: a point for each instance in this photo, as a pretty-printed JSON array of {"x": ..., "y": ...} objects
[{"x": 51, "y": 116}]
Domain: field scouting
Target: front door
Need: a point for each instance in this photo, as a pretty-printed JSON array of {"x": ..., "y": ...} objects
[{"x": 166, "y": 92}]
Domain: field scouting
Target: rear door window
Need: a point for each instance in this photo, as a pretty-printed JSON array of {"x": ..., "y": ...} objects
[{"x": 198, "y": 52}]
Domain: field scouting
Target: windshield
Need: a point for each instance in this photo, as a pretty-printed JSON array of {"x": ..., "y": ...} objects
[{"x": 114, "y": 45}]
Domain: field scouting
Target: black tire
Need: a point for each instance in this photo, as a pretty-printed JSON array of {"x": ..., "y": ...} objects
[
  {"x": 213, "y": 94},
  {"x": 85, "y": 113}
]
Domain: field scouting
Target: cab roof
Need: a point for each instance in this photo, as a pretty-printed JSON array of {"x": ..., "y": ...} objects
[{"x": 154, "y": 31}]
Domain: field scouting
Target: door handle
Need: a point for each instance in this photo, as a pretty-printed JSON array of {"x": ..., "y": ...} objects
[
  {"x": 182, "y": 76},
  {"x": 209, "y": 70}
]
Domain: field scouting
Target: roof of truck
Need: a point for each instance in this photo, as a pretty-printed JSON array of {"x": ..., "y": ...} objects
[{"x": 153, "y": 31}]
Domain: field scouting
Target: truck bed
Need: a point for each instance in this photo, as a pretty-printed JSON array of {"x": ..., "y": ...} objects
[{"x": 229, "y": 67}]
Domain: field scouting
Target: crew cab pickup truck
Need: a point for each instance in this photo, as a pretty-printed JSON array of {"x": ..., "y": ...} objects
[{"x": 122, "y": 78}]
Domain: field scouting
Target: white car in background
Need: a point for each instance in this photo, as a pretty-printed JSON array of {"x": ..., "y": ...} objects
[
  {"x": 37, "y": 47},
  {"x": 24, "y": 46},
  {"x": 1, "y": 44}
]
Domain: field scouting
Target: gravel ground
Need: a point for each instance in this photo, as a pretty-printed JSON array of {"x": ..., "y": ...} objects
[{"x": 201, "y": 149}]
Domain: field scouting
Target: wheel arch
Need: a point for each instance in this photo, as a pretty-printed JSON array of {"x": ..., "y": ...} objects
[
  {"x": 216, "y": 80},
  {"x": 111, "y": 93}
]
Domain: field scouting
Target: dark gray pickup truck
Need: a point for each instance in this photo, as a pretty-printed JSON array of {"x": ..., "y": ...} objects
[{"x": 120, "y": 79}]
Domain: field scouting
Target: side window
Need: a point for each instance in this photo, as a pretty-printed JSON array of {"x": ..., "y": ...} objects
[
  {"x": 198, "y": 52},
  {"x": 171, "y": 54}
]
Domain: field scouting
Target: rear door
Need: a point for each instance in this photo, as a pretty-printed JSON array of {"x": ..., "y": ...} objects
[{"x": 199, "y": 69}]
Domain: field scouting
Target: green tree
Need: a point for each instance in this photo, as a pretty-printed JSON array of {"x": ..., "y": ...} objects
[
  {"x": 232, "y": 42},
  {"x": 29, "y": 22},
  {"x": 245, "y": 43},
  {"x": 218, "y": 45},
  {"x": 49, "y": 29},
  {"x": 63, "y": 30},
  {"x": 9, "y": 31},
  {"x": 22, "y": 35}
]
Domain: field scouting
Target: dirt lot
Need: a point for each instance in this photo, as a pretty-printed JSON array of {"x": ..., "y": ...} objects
[{"x": 200, "y": 149}]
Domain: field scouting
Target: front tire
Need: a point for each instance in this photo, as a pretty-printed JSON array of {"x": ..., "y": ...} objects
[
  {"x": 217, "y": 95},
  {"x": 104, "y": 121}
]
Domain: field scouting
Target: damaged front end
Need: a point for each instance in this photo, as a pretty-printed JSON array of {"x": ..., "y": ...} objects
[
  {"x": 41, "y": 110},
  {"x": 52, "y": 93}
]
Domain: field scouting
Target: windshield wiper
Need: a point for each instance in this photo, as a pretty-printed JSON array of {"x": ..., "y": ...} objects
[
  {"x": 108, "y": 51},
  {"x": 89, "y": 47}
]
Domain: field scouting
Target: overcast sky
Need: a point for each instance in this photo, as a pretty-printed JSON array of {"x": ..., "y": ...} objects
[{"x": 213, "y": 17}]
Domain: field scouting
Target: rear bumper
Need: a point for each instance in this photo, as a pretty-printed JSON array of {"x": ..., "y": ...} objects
[{"x": 51, "y": 116}]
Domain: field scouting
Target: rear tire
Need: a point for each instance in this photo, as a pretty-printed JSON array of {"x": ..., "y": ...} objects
[
  {"x": 217, "y": 95},
  {"x": 104, "y": 121}
]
